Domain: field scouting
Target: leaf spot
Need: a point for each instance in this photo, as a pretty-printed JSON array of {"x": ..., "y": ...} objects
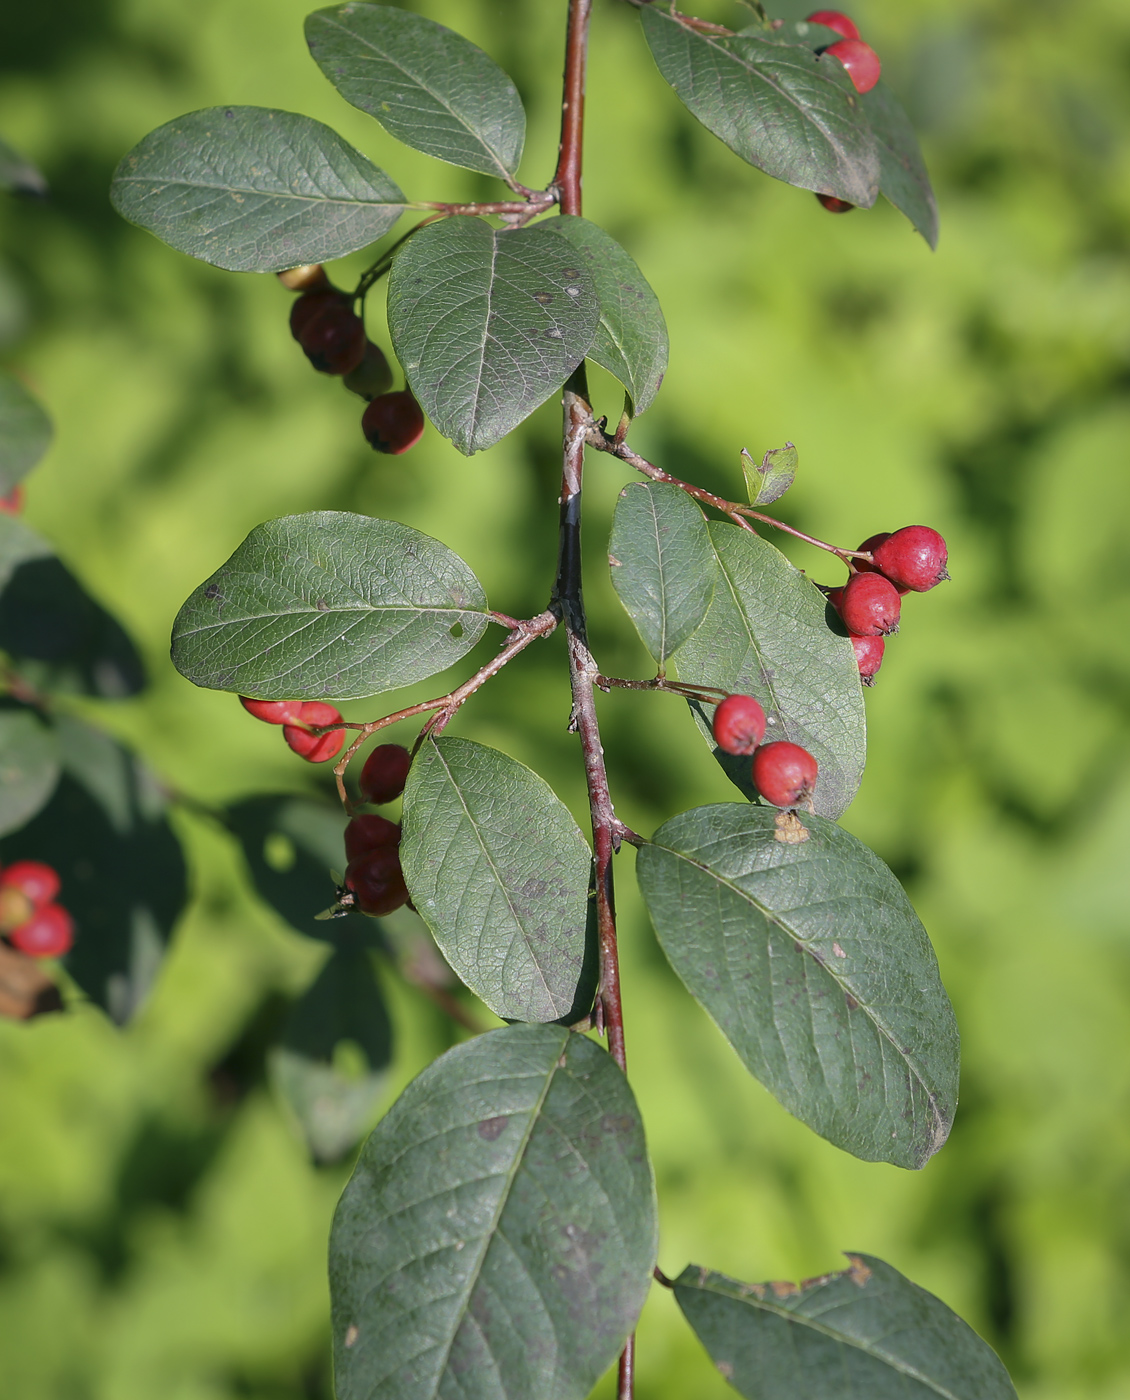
[
  {"x": 725, "y": 1369},
  {"x": 543, "y": 298},
  {"x": 491, "y": 1128},
  {"x": 351, "y": 1334},
  {"x": 322, "y": 605},
  {"x": 789, "y": 828},
  {"x": 839, "y": 952},
  {"x": 859, "y": 1273},
  {"x": 782, "y": 1288},
  {"x": 554, "y": 333}
]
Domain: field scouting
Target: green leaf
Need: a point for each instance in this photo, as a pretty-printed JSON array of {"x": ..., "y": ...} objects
[
  {"x": 796, "y": 117},
  {"x": 499, "y": 871},
  {"x": 254, "y": 190},
  {"x": 498, "y": 1235},
  {"x": 29, "y": 766},
  {"x": 631, "y": 339},
  {"x": 18, "y": 545},
  {"x": 766, "y": 634},
  {"x": 903, "y": 177},
  {"x": 329, "y": 604},
  {"x": 866, "y": 1331},
  {"x": 18, "y": 175},
  {"x": 805, "y": 950},
  {"x": 768, "y": 481},
  {"x": 662, "y": 562},
  {"x": 291, "y": 844},
  {"x": 488, "y": 323},
  {"x": 426, "y": 85},
  {"x": 25, "y": 432}
]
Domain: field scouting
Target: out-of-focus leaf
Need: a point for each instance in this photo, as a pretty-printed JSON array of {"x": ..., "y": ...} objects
[
  {"x": 29, "y": 766},
  {"x": 768, "y": 480},
  {"x": 18, "y": 545},
  {"x": 25, "y": 432},
  {"x": 17, "y": 173}
]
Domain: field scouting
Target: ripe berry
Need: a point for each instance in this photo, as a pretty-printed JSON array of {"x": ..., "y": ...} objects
[
  {"x": 372, "y": 376},
  {"x": 272, "y": 711},
  {"x": 860, "y": 60},
  {"x": 739, "y": 724},
  {"x": 830, "y": 19},
  {"x": 369, "y": 833},
  {"x": 868, "y": 656},
  {"x": 49, "y": 933},
  {"x": 385, "y": 773},
  {"x": 870, "y": 605},
  {"x": 333, "y": 339},
  {"x": 913, "y": 557},
  {"x": 835, "y": 596},
  {"x": 13, "y": 502},
  {"x": 311, "y": 304},
  {"x": 315, "y": 748},
  {"x": 377, "y": 881},
  {"x": 834, "y": 205},
  {"x": 784, "y": 773},
  {"x": 307, "y": 278},
  {"x": 33, "y": 878},
  {"x": 393, "y": 422}
]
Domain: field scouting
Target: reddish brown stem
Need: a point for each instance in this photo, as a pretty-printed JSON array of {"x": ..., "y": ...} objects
[{"x": 567, "y": 179}]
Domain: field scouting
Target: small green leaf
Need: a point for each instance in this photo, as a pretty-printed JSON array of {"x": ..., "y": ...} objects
[
  {"x": 29, "y": 767},
  {"x": 291, "y": 844},
  {"x": 25, "y": 432},
  {"x": 866, "y": 1331},
  {"x": 488, "y": 323},
  {"x": 768, "y": 481},
  {"x": 18, "y": 175},
  {"x": 662, "y": 562},
  {"x": 631, "y": 339},
  {"x": 773, "y": 103},
  {"x": 499, "y": 871},
  {"x": 329, "y": 604},
  {"x": 498, "y": 1235},
  {"x": 903, "y": 177},
  {"x": 766, "y": 634},
  {"x": 805, "y": 950},
  {"x": 426, "y": 85},
  {"x": 254, "y": 190}
]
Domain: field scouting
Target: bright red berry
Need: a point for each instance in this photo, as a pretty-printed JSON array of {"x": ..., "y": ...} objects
[
  {"x": 860, "y": 60},
  {"x": 49, "y": 933},
  {"x": 272, "y": 711},
  {"x": 315, "y": 748},
  {"x": 784, "y": 773},
  {"x": 393, "y": 422},
  {"x": 369, "y": 833},
  {"x": 831, "y": 19},
  {"x": 834, "y": 205},
  {"x": 385, "y": 773},
  {"x": 372, "y": 376},
  {"x": 914, "y": 557},
  {"x": 334, "y": 338},
  {"x": 32, "y": 877},
  {"x": 13, "y": 502},
  {"x": 868, "y": 656},
  {"x": 307, "y": 278},
  {"x": 739, "y": 724},
  {"x": 870, "y": 605},
  {"x": 376, "y": 881}
]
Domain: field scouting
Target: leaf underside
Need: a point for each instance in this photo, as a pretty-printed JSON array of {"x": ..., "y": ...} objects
[
  {"x": 903, "y": 177},
  {"x": 25, "y": 432}
]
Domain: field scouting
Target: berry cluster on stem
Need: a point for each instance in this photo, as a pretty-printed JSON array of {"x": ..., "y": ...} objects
[{"x": 31, "y": 919}]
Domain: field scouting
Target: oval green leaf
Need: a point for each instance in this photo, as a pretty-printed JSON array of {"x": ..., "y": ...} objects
[
  {"x": 663, "y": 564},
  {"x": 499, "y": 871},
  {"x": 499, "y": 1230},
  {"x": 766, "y": 634},
  {"x": 864, "y": 1331},
  {"x": 29, "y": 767},
  {"x": 25, "y": 432},
  {"x": 805, "y": 950},
  {"x": 329, "y": 604},
  {"x": 254, "y": 190},
  {"x": 426, "y": 85},
  {"x": 768, "y": 480},
  {"x": 488, "y": 323}
]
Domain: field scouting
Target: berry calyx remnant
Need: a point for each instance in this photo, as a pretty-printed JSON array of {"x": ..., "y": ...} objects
[
  {"x": 739, "y": 724},
  {"x": 914, "y": 557},
  {"x": 49, "y": 933},
  {"x": 309, "y": 277},
  {"x": 333, "y": 338},
  {"x": 372, "y": 376},
  {"x": 870, "y": 605},
  {"x": 834, "y": 205},
  {"x": 830, "y": 19},
  {"x": 272, "y": 711},
  {"x": 385, "y": 773},
  {"x": 315, "y": 748},
  {"x": 370, "y": 833},
  {"x": 33, "y": 878},
  {"x": 860, "y": 60},
  {"x": 868, "y": 656},
  {"x": 784, "y": 773},
  {"x": 393, "y": 422},
  {"x": 376, "y": 881}
]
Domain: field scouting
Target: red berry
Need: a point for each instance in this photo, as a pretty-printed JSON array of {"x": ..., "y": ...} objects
[
  {"x": 369, "y": 833},
  {"x": 784, "y": 773},
  {"x": 870, "y": 605},
  {"x": 739, "y": 724},
  {"x": 913, "y": 557},
  {"x": 13, "y": 502},
  {"x": 377, "y": 881},
  {"x": 372, "y": 376},
  {"x": 860, "y": 60},
  {"x": 334, "y": 338},
  {"x": 835, "y": 596},
  {"x": 834, "y": 205},
  {"x": 315, "y": 748},
  {"x": 307, "y": 278},
  {"x": 49, "y": 933},
  {"x": 311, "y": 304},
  {"x": 830, "y": 19},
  {"x": 868, "y": 656},
  {"x": 272, "y": 711},
  {"x": 385, "y": 773},
  {"x": 393, "y": 422},
  {"x": 32, "y": 877}
]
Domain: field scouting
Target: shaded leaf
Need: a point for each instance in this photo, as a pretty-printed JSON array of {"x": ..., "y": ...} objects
[
  {"x": 25, "y": 432},
  {"x": 500, "y": 1227},
  {"x": 426, "y": 85},
  {"x": 291, "y": 845},
  {"x": 767, "y": 635},
  {"x": 329, "y": 604},
  {"x": 815, "y": 967},
  {"x": 903, "y": 177},
  {"x": 488, "y": 323},
  {"x": 662, "y": 564},
  {"x": 499, "y": 871},
  {"x": 768, "y": 480},
  {"x": 18, "y": 544},
  {"x": 29, "y": 766},
  {"x": 254, "y": 190},
  {"x": 17, "y": 173},
  {"x": 865, "y": 1331}
]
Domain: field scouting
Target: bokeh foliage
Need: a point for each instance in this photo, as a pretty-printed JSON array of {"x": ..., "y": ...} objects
[{"x": 161, "y": 1229}]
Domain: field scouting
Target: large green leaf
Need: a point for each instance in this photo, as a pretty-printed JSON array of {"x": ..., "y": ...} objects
[
  {"x": 291, "y": 844},
  {"x": 631, "y": 339},
  {"x": 794, "y": 116},
  {"x": 499, "y": 871},
  {"x": 329, "y": 604},
  {"x": 18, "y": 545},
  {"x": 29, "y": 766},
  {"x": 817, "y": 970},
  {"x": 254, "y": 190},
  {"x": 426, "y": 85},
  {"x": 25, "y": 432},
  {"x": 488, "y": 323},
  {"x": 766, "y": 634},
  {"x": 867, "y": 1331},
  {"x": 498, "y": 1236},
  {"x": 662, "y": 562},
  {"x": 903, "y": 177}
]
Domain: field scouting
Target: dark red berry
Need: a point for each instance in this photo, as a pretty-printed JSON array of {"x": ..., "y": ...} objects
[
  {"x": 315, "y": 748},
  {"x": 312, "y": 304},
  {"x": 834, "y": 205},
  {"x": 372, "y": 376},
  {"x": 334, "y": 339},
  {"x": 385, "y": 773},
  {"x": 870, "y": 605},
  {"x": 307, "y": 278},
  {"x": 393, "y": 422},
  {"x": 860, "y": 60},
  {"x": 369, "y": 833},
  {"x": 869, "y": 545},
  {"x": 835, "y": 596},
  {"x": 13, "y": 502},
  {"x": 914, "y": 557},
  {"x": 272, "y": 711},
  {"x": 49, "y": 933},
  {"x": 831, "y": 19},
  {"x": 868, "y": 656},
  {"x": 31, "y": 877},
  {"x": 784, "y": 773},
  {"x": 376, "y": 881},
  {"x": 739, "y": 724}
]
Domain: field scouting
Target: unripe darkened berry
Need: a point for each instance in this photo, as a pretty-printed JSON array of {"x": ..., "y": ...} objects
[
  {"x": 870, "y": 605},
  {"x": 272, "y": 711},
  {"x": 377, "y": 881},
  {"x": 914, "y": 557},
  {"x": 739, "y": 724},
  {"x": 33, "y": 878},
  {"x": 312, "y": 304},
  {"x": 834, "y": 205},
  {"x": 334, "y": 339},
  {"x": 49, "y": 933},
  {"x": 315, "y": 748},
  {"x": 860, "y": 60},
  {"x": 393, "y": 422},
  {"x": 13, "y": 502},
  {"x": 868, "y": 656},
  {"x": 385, "y": 773},
  {"x": 369, "y": 832},
  {"x": 372, "y": 376},
  {"x": 307, "y": 278},
  {"x": 784, "y": 773},
  {"x": 830, "y": 19}
]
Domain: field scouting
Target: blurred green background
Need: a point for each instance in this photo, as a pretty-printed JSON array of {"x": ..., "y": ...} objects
[{"x": 162, "y": 1231}]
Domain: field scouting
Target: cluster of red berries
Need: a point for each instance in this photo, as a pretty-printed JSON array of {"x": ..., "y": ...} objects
[
  {"x": 373, "y": 876},
  {"x": 912, "y": 560},
  {"x": 333, "y": 337},
  {"x": 299, "y": 719},
  {"x": 783, "y": 773},
  {"x": 30, "y": 919},
  {"x": 863, "y": 68}
]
